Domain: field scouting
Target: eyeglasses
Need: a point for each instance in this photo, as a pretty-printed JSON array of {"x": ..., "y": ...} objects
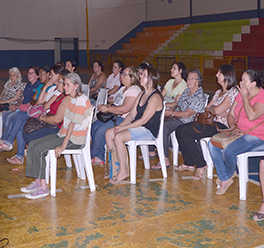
[
  {"x": 31, "y": 73},
  {"x": 125, "y": 74},
  {"x": 192, "y": 79},
  {"x": 61, "y": 82}
]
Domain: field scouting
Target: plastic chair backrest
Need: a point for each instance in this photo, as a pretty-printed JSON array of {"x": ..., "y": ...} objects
[{"x": 85, "y": 89}]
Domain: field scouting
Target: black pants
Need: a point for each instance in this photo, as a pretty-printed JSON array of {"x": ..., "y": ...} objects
[{"x": 187, "y": 137}]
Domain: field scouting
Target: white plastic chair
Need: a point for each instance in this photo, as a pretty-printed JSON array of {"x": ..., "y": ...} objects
[
  {"x": 101, "y": 99},
  {"x": 242, "y": 164},
  {"x": 158, "y": 142},
  {"x": 86, "y": 89},
  {"x": 82, "y": 160}
]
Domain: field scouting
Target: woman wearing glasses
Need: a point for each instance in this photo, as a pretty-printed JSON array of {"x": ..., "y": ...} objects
[
  {"x": 123, "y": 102},
  {"x": 191, "y": 101}
]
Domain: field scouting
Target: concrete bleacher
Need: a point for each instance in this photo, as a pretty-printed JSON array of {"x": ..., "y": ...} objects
[
  {"x": 149, "y": 40},
  {"x": 204, "y": 38},
  {"x": 248, "y": 43}
]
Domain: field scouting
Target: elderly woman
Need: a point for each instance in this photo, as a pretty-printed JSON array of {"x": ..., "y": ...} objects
[
  {"x": 28, "y": 92},
  {"x": 13, "y": 88},
  {"x": 191, "y": 101},
  {"x": 123, "y": 101},
  {"x": 220, "y": 106},
  {"x": 97, "y": 80},
  {"x": 72, "y": 135},
  {"x": 142, "y": 122},
  {"x": 113, "y": 83},
  {"x": 246, "y": 112}
]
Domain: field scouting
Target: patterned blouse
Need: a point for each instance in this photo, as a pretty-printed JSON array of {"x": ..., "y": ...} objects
[
  {"x": 195, "y": 101},
  {"x": 232, "y": 93},
  {"x": 11, "y": 90}
]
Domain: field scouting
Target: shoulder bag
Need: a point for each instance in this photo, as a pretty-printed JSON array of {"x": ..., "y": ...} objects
[
  {"x": 225, "y": 137},
  {"x": 206, "y": 118}
]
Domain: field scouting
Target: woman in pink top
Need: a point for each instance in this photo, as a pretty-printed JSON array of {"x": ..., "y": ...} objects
[{"x": 250, "y": 104}]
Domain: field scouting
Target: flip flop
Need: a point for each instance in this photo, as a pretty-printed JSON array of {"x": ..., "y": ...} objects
[
  {"x": 114, "y": 180},
  {"x": 158, "y": 166},
  {"x": 15, "y": 160},
  {"x": 101, "y": 163},
  {"x": 184, "y": 167},
  {"x": 106, "y": 176},
  {"x": 258, "y": 216}
]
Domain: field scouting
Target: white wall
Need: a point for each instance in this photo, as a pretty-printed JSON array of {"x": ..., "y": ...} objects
[
  {"x": 109, "y": 20},
  {"x": 40, "y": 20}
]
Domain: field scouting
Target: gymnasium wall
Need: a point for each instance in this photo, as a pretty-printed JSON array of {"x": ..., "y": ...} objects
[{"x": 28, "y": 27}]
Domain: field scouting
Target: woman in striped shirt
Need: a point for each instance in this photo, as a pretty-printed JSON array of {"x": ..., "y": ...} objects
[{"x": 72, "y": 135}]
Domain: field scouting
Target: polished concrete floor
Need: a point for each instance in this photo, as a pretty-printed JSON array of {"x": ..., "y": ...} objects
[{"x": 174, "y": 212}]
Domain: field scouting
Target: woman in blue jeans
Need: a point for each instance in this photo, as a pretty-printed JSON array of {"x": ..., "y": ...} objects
[
  {"x": 123, "y": 101},
  {"x": 16, "y": 130},
  {"x": 246, "y": 112}
]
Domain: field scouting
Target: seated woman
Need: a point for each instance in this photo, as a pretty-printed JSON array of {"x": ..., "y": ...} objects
[
  {"x": 123, "y": 101},
  {"x": 191, "y": 101},
  {"x": 72, "y": 135},
  {"x": 71, "y": 65},
  {"x": 28, "y": 92},
  {"x": 220, "y": 106},
  {"x": 172, "y": 92},
  {"x": 19, "y": 121},
  {"x": 13, "y": 88},
  {"x": 97, "y": 80},
  {"x": 142, "y": 122},
  {"x": 246, "y": 112},
  {"x": 56, "y": 106},
  {"x": 49, "y": 78},
  {"x": 113, "y": 82}
]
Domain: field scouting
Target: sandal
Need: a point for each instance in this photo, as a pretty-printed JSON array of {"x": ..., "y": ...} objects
[
  {"x": 101, "y": 163},
  {"x": 16, "y": 160},
  {"x": 106, "y": 176},
  {"x": 114, "y": 180},
  {"x": 258, "y": 216},
  {"x": 184, "y": 167},
  {"x": 199, "y": 173},
  {"x": 158, "y": 166},
  {"x": 4, "y": 146},
  {"x": 151, "y": 157}
]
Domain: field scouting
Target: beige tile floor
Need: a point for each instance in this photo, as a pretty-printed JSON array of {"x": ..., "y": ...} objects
[{"x": 174, "y": 212}]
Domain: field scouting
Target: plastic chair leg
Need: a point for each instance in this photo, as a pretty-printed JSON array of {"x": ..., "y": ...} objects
[
  {"x": 243, "y": 175},
  {"x": 53, "y": 172},
  {"x": 145, "y": 154}
]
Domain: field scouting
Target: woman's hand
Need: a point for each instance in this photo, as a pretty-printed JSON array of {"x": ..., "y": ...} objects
[
  {"x": 102, "y": 108},
  {"x": 119, "y": 128},
  {"x": 243, "y": 90},
  {"x": 168, "y": 112},
  {"x": 58, "y": 151},
  {"x": 41, "y": 117},
  {"x": 236, "y": 131}
]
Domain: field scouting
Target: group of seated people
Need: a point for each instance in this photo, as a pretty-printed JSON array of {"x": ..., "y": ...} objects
[{"x": 134, "y": 97}]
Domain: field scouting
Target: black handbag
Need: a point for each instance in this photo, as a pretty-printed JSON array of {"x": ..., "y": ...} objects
[{"x": 105, "y": 117}]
